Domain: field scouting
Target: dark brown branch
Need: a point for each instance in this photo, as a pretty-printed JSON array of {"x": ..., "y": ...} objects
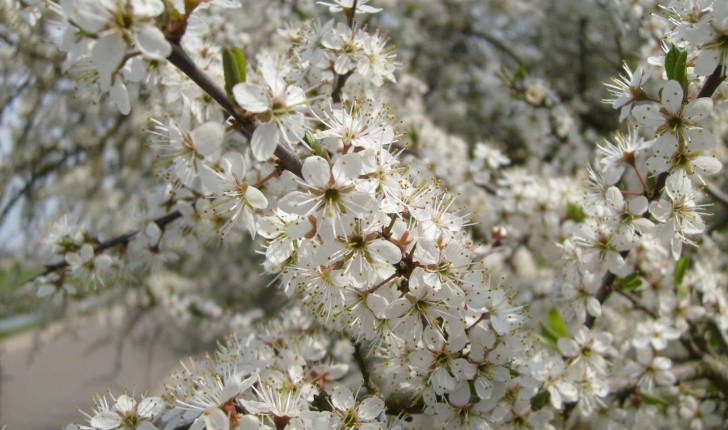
[
  {"x": 602, "y": 295},
  {"x": 184, "y": 63},
  {"x": 360, "y": 358},
  {"x": 711, "y": 83},
  {"x": 340, "y": 80}
]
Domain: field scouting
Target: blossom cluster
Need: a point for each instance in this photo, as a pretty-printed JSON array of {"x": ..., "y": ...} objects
[{"x": 434, "y": 280}]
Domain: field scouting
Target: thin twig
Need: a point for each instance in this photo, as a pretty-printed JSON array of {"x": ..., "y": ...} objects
[
  {"x": 360, "y": 358},
  {"x": 111, "y": 243},
  {"x": 498, "y": 44},
  {"x": 637, "y": 303}
]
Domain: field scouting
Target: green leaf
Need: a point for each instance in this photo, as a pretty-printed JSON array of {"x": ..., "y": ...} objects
[
  {"x": 315, "y": 145},
  {"x": 549, "y": 335},
  {"x": 652, "y": 399},
  {"x": 574, "y": 212},
  {"x": 540, "y": 400},
  {"x": 234, "y": 66},
  {"x": 681, "y": 70},
  {"x": 241, "y": 63},
  {"x": 681, "y": 267},
  {"x": 521, "y": 73},
  {"x": 630, "y": 282},
  {"x": 557, "y": 324},
  {"x": 676, "y": 66},
  {"x": 670, "y": 61},
  {"x": 230, "y": 70}
]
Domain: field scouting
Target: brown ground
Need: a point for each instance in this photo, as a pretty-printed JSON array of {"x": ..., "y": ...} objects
[{"x": 67, "y": 370}]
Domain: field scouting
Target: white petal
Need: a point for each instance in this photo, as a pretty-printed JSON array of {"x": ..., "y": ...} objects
[
  {"x": 343, "y": 65},
  {"x": 106, "y": 420},
  {"x": 264, "y": 141},
  {"x": 256, "y": 198},
  {"x": 385, "y": 250},
  {"x": 648, "y": 115},
  {"x": 676, "y": 245},
  {"x": 672, "y": 96},
  {"x": 342, "y": 399},
  {"x": 707, "y": 165},
  {"x": 147, "y": 8},
  {"x": 295, "y": 96},
  {"x": 197, "y": 26},
  {"x": 707, "y": 61},
  {"x": 461, "y": 396},
  {"x": 638, "y": 205},
  {"x": 209, "y": 179},
  {"x": 120, "y": 96},
  {"x": 346, "y": 168},
  {"x": 251, "y": 97},
  {"x": 102, "y": 262},
  {"x": 133, "y": 70},
  {"x": 124, "y": 403},
  {"x": 616, "y": 264},
  {"x": 421, "y": 359},
  {"x": 371, "y": 408},
  {"x": 278, "y": 251},
  {"x": 216, "y": 419},
  {"x": 698, "y": 109},
  {"x": 700, "y": 139},
  {"x": 108, "y": 53},
  {"x": 661, "y": 210},
  {"x": 151, "y": 406},
  {"x": 316, "y": 172},
  {"x": 433, "y": 338},
  {"x": 235, "y": 166},
  {"x": 208, "y": 137},
  {"x": 86, "y": 252},
  {"x": 568, "y": 347},
  {"x": 299, "y": 228},
  {"x": 151, "y": 42},
  {"x": 46, "y": 290},
  {"x": 298, "y": 203}
]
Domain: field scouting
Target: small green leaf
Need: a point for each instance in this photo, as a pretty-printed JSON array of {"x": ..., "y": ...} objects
[
  {"x": 315, "y": 145},
  {"x": 574, "y": 212},
  {"x": 550, "y": 336},
  {"x": 652, "y": 399},
  {"x": 681, "y": 268},
  {"x": 630, "y": 282},
  {"x": 174, "y": 14},
  {"x": 540, "y": 400},
  {"x": 521, "y": 73},
  {"x": 681, "y": 70},
  {"x": 670, "y": 62},
  {"x": 230, "y": 70},
  {"x": 676, "y": 66},
  {"x": 234, "y": 67},
  {"x": 557, "y": 323},
  {"x": 241, "y": 63}
]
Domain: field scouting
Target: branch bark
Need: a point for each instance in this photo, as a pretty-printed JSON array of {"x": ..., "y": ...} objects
[{"x": 184, "y": 63}]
